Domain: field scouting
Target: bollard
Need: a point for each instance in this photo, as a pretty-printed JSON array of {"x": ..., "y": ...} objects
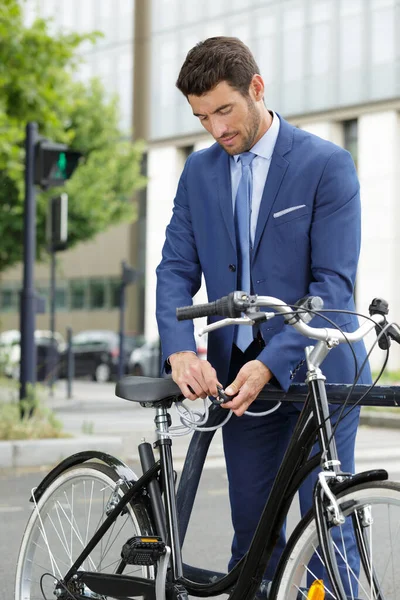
[{"x": 70, "y": 363}]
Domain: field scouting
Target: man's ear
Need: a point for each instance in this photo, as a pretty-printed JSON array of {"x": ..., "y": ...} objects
[{"x": 257, "y": 87}]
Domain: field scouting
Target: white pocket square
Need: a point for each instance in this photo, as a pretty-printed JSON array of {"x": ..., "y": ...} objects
[{"x": 287, "y": 210}]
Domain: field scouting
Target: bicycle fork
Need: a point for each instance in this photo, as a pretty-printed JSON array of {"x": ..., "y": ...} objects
[{"x": 326, "y": 507}]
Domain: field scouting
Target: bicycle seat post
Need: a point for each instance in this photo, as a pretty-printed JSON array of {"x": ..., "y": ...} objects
[{"x": 164, "y": 444}]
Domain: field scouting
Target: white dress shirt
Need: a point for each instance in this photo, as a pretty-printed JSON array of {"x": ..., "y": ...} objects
[{"x": 263, "y": 150}]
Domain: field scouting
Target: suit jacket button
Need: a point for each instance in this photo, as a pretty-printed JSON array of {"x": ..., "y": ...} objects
[{"x": 232, "y": 268}]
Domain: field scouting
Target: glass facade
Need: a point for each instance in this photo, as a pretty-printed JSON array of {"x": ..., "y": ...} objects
[
  {"x": 111, "y": 58},
  {"x": 78, "y": 294},
  {"x": 350, "y": 129},
  {"x": 314, "y": 55}
]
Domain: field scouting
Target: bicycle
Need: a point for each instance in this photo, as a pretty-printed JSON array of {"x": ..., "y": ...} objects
[{"x": 98, "y": 531}]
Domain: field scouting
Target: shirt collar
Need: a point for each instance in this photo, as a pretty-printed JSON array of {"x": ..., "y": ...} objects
[{"x": 266, "y": 144}]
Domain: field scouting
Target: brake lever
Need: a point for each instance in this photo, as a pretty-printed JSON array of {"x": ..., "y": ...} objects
[
  {"x": 252, "y": 318},
  {"x": 225, "y": 323},
  {"x": 394, "y": 332}
]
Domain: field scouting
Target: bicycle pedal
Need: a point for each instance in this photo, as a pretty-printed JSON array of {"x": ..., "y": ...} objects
[{"x": 144, "y": 551}]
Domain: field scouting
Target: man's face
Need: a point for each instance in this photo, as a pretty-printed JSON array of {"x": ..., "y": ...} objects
[{"x": 233, "y": 120}]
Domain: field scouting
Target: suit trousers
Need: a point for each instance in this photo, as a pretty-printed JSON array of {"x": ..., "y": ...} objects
[{"x": 254, "y": 448}]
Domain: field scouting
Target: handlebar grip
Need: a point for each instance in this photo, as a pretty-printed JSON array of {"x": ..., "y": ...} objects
[
  {"x": 195, "y": 310},
  {"x": 227, "y": 306}
]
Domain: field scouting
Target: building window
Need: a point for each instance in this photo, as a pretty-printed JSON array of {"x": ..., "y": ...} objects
[
  {"x": 8, "y": 300},
  {"x": 115, "y": 293},
  {"x": 97, "y": 294},
  {"x": 43, "y": 292},
  {"x": 186, "y": 151},
  {"x": 183, "y": 154},
  {"x": 72, "y": 295},
  {"x": 350, "y": 129},
  {"x": 61, "y": 300},
  {"x": 78, "y": 294}
]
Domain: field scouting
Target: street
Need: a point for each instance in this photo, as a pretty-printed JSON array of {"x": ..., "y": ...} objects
[{"x": 209, "y": 535}]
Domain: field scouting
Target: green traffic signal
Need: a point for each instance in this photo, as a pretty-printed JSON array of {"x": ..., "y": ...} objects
[
  {"x": 54, "y": 163},
  {"x": 61, "y": 166}
]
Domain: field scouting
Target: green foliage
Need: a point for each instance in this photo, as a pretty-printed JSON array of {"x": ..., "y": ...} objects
[
  {"x": 388, "y": 378},
  {"x": 36, "y": 84},
  {"x": 38, "y": 422}
]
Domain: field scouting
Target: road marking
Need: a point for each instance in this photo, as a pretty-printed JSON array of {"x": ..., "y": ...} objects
[
  {"x": 220, "y": 492},
  {"x": 5, "y": 509}
]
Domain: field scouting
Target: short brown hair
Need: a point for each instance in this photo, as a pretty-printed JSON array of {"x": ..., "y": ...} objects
[{"x": 214, "y": 60}]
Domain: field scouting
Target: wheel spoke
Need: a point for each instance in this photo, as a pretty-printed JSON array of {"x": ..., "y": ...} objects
[
  {"x": 64, "y": 521},
  {"x": 59, "y": 560},
  {"x": 345, "y": 560},
  {"x": 109, "y": 545},
  {"x": 391, "y": 546},
  {"x": 373, "y": 509},
  {"x": 315, "y": 578}
]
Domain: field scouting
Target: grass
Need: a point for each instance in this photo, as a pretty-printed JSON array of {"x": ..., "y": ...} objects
[
  {"x": 388, "y": 377},
  {"x": 37, "y": 422}
]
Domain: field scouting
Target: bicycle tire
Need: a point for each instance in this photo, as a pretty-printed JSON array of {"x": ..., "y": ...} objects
[
  {"x": 71, "y": 509},
  {"x": 383, "y": 499}
]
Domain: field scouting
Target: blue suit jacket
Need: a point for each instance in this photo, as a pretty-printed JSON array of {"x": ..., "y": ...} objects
[{"x": 310, "y": 250}]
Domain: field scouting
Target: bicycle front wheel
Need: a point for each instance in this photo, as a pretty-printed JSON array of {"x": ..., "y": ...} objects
[
  {"x": 70, "y": 511},
  {"x": 369, "y": 561}
]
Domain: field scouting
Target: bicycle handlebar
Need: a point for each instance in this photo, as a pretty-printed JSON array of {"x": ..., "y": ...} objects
[
  {"x": 227, "y": 306},
  {"x": 236, "y": 303}
]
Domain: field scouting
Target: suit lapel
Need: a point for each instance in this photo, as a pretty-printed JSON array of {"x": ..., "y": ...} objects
[
  {"x": 277, "y": 170},
  {"x": 275, "y": 177},
  {"x": 276, "y": 174},
  {"x": 222, "y": 173}
]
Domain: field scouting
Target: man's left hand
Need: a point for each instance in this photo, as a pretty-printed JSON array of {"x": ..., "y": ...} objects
[{"x": 248, "y": 384}]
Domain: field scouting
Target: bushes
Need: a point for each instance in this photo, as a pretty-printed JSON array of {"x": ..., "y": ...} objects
[{"x": 37, "y": 422}]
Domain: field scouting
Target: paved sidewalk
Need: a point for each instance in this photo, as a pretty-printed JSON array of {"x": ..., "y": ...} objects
[{"x": 97, "y": 419}]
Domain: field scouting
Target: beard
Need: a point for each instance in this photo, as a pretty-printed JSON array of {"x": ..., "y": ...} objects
[{"x": 249, "y": 135}]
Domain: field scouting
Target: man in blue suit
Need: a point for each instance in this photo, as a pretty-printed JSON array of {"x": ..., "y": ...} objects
[{"x": 304, "y": 236}]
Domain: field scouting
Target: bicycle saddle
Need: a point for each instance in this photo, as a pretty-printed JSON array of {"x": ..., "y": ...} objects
[{"x": 148, "y": 390}]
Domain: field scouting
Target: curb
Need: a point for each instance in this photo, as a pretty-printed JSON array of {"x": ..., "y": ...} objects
[
  {"x": 48, "y": 452},
  {"x": 38, "y": 453},
  {"x": 380, "y": 419}
]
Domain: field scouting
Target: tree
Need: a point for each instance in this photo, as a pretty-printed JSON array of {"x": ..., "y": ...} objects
[{"x": 37, "y": 84}]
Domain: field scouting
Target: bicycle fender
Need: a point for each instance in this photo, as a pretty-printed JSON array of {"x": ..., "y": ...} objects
[
  {"x": 358, "y": 478},
  {"x": 123, "y": 471}
]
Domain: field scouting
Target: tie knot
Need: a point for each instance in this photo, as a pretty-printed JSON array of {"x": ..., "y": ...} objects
[{"x": 246, "y": 158}]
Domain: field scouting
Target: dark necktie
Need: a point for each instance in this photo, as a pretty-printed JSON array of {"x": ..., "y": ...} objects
[{"x": 244, "y": 333}]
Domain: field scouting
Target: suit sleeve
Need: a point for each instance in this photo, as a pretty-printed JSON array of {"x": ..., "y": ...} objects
[
  {"x": 178, "y": 276},
  {"x": 335, "y": 246}
]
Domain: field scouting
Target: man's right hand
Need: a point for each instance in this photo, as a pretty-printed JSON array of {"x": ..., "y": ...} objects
[{"x": 196, "y": 378}]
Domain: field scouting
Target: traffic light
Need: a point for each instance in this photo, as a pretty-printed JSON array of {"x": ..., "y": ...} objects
[
  {"x": 57, "y": 223},
  {"x": 54, "y": 163},
  {"x": 129, "y": 275}
]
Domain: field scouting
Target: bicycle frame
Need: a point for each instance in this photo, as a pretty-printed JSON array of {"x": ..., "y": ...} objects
[
  {"x": 313, "y": 422},
  {"x": 294, "y": 469}
]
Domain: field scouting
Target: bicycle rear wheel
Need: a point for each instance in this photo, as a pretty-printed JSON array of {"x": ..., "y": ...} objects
[
  {"x": 69, "y": 513},
  {"x": 372, "y": 510}
]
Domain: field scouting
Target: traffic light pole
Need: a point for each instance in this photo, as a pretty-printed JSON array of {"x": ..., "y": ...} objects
[
  {"x": 128, "y": 276},
  {"x": 53, "y": 361},
  {"x": 28, "y": 296},
  {"x": 121, "y": 357},
  {"x": 47, "y": 164}
]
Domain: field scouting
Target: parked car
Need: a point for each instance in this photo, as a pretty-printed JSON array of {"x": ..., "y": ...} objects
[
  {"x": 10, "y": 350},
  {"x": 145, "y": 361},
  {"x": 96, "y": 354}
]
